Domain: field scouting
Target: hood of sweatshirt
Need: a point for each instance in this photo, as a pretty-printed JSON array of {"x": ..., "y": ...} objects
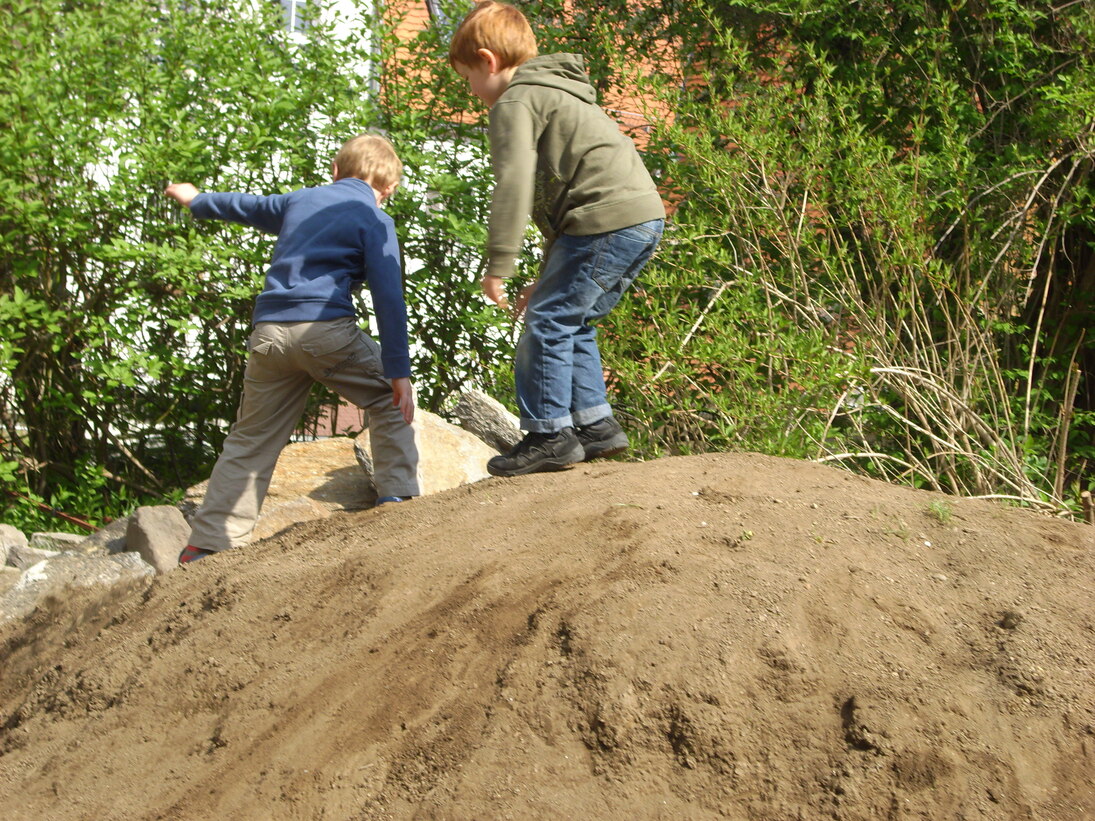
[{"x": 566, "y": 72}]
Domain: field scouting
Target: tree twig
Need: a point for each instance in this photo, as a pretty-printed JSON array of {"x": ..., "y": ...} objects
[
  {"x": 66, "y": 516},
  {"x": 695, "y": 327}
]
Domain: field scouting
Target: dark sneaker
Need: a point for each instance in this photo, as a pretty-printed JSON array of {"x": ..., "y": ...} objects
[
  {"x": 604, "y": 437},
  {"x": 539, "y": 452}
]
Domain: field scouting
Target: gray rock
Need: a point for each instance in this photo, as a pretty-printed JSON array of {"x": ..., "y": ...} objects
[
  {"x": 10, "y": 537},
  {"x": 131, "y": 560},
  {"x": 55, "y": 541},
  {"x": 8, "y": 577},
  {"x": 488, "y": 419},
  {"x": 110, "y": 538},
  {"x": 24, "y": 556},
  {"x": 68, "y": 570},
  {"x": 158, "y": 534}
]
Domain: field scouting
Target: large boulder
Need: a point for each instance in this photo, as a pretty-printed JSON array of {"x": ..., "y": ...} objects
[
  {"x": 158, "y": 534},
  {"x": 275, "y": 518},
  {"x": 448, "y": 456},
  {"x": 312, "y": 480}
]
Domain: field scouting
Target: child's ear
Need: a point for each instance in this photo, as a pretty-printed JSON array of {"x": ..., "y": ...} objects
[
  {"x": 334, "y": 171},
  {"x": 490, "y": 60}
]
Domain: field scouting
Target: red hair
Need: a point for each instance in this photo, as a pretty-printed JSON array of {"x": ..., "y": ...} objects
[{"x": 496, "y": 26}]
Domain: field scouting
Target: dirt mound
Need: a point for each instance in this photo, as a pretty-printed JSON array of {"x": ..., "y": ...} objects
[{"x": 723, "y": 636}]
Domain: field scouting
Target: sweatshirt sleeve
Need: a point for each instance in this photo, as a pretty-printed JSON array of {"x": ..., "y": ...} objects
[
  {"x": 513, "y": 158},
  {"x": 384, "y": 276},
  {"x": 263, "y": 213}
]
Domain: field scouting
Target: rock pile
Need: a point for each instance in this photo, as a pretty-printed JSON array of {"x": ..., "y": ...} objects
[{"x": 312, "y": 480}]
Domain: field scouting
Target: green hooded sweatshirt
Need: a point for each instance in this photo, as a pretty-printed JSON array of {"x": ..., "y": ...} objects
[{"x": 558, "y": 156}]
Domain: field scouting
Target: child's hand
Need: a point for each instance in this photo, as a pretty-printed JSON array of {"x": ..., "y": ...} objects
[
  {"x": 182, "y": 192},
  {"x": 403, "y": 397},
  {"x": 494, "y": 288},
  {"x": 523, "y": 297}
]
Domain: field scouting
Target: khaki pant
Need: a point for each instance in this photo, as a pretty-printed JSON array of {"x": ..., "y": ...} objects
[{"x": 285, "y": 359}]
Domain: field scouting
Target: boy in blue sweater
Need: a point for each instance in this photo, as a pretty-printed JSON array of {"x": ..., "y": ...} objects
[{"x": 331, "y": 240}]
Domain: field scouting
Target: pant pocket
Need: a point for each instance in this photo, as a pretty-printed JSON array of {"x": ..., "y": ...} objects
[
  {"x": 324, "y": 338},
  {"x": 262, "y": 339},
  {"x": 617, "y": 269},
  {"x": 622, "y": 255}
]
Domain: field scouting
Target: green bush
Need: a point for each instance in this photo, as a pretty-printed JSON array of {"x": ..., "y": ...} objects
[
  {"x": 124, "y": 319},
  {"x": 881, "y": 253},
  {"x": 882, "y": 235}
]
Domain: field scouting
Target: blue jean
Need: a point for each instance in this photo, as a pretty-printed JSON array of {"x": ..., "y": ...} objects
[{"x": 558, "y": 374}]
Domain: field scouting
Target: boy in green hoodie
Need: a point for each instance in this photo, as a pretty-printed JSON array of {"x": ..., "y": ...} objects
[{"x": 557, "y": 156}]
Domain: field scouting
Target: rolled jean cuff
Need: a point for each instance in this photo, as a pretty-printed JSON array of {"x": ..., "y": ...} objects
[
  {"x": 547, "y": 425},
  {"x": 591, "y": 415}
]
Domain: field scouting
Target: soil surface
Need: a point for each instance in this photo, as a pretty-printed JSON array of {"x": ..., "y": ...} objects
[{"x": 721, "y": 636}]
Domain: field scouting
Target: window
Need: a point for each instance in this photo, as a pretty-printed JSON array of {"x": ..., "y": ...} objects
[
  {"x": 442, "y": 18},
  {"x": 436, "y": 12},
  {"x": 296, "y": 14}
]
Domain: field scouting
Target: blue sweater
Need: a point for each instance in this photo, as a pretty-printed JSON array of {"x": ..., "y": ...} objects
[{"x": 331, "y": 239}]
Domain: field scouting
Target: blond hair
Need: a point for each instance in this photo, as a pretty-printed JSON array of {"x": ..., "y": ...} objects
[
  {"x": 369, "y": 157},
  {"x": 496, "y": 26}
]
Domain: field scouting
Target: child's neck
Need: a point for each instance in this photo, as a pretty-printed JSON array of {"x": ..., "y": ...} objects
[{"x": 376, "y": 193}]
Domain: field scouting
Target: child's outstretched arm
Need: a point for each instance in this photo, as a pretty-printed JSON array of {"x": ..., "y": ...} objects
[
  {"x": 264, "y": 213},
  {"x": 181, "y": 192}
]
